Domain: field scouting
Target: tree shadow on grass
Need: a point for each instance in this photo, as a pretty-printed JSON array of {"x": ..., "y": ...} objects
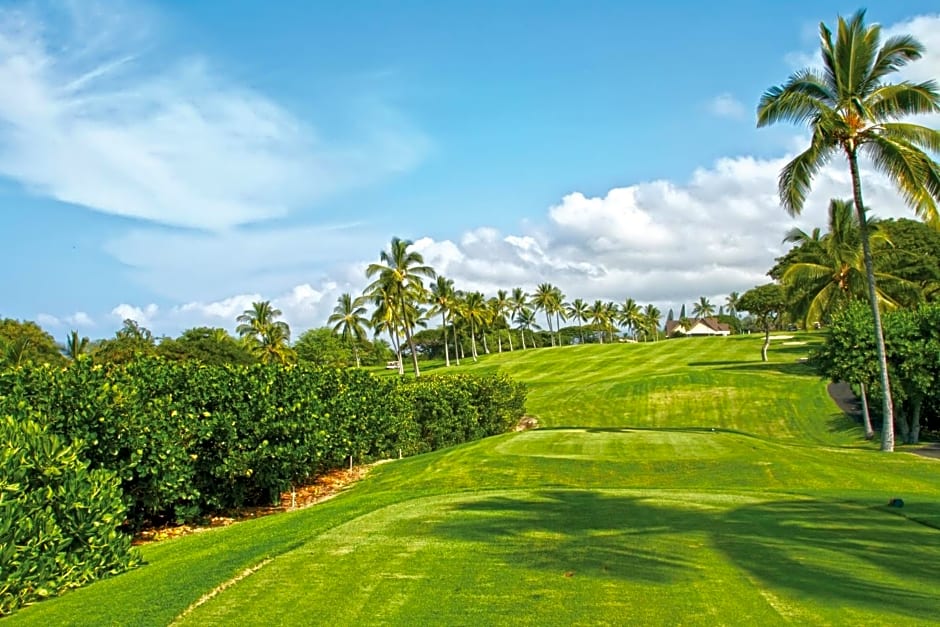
[{"x": 830, "y": 552}]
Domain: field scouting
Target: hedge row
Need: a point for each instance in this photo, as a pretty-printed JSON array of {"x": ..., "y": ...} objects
[{"x": 188, "y": 439}]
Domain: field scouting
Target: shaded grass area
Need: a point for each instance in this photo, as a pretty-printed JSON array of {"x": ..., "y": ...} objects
[{"x": 693, "y": 484}]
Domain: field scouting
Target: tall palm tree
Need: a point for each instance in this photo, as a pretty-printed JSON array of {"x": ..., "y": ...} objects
[
  {"x": 578, "y": 311},
  {"x": 518, "y": 301},
  {"x": 443, "y": 301},
  {"x": 474, "y": 312},
  {"x": 850, "y": 108},
  {"x": 558, "y": 308},
  {"x": 502, "y": 306},
  {"x": 348, "y": 319},
  {"x": 651, "y": 318},
  {"x": 75, "y": 346},
  {"x": 833, "y": 270},
  {"x": 544, "y": 298},
  {"x": 630, "y": 316},
  {"x": 610, "y": 318},
  {"x": 400, "y": 273},
  {"x": 703, "y": 308},
  {"x": 731, "y": 302},
  {"x": 525, "y": 320},
  {"x": 599, "y": 316}
]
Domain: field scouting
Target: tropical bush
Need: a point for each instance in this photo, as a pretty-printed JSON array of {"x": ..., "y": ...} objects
[
  {"x": 187, "y": 439},
  {"x": 58, "y": 520}
]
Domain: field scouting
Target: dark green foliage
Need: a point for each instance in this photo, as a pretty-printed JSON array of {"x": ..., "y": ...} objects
[
  {"x": 187, "y": 439},
  {"x": 210, "y": 346},
  {"x": 129, "y": 342},
  {"x": 25, "y": 342},
  {"x": 58, "y": 521},
  {"x": 912, "y": 341}
]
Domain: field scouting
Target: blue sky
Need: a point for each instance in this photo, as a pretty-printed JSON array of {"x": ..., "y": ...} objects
[{"x": 173, "y": 161}]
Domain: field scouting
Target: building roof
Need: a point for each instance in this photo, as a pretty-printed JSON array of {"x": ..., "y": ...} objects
[{"x": 716, "y": 328}]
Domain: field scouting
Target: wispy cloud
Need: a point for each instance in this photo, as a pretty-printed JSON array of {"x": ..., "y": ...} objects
[
  {"x": 726, "y": 106},
  {"x": 98, "y": 120}
]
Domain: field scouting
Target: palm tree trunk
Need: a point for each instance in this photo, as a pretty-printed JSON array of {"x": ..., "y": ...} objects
[
  {"x": 486, "y": 349},
  {"x": 887, "y": 431},
  {"x": 866, "y": 415},
  {"x": 551, "y": 335},
  {"x": 456, "y": 346},
  {"x": 763, "y": 349},
  {"x": 410, "y": 339},
  {"x": 499, "y": 341},
  {"x": 446, "y": 347},
  {"x": 356, "y": 354},
  {"x": 396, "y": 344},
  {"x": 522, "y": 333},
  {"x": 558, "y": 327},
  {"x": 473, "y": 341},
  {"x": 509, "y": 335}
]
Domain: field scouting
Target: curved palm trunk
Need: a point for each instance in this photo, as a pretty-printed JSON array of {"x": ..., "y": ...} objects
[
  {"x": 522, "y": 333},
  {"x": 887, "y": 431},
  {"x": 558, "y": 327},
  {"x": 509, "y": 335},
  {"x": 410, "y": 340},
  {"x": 473, "y": 341},
  {"x": 446, "y": 347},
  {"x": 396, "y": 344},
  {"x": 486, "y": 349},
  {"x": 866, "y": 415}
]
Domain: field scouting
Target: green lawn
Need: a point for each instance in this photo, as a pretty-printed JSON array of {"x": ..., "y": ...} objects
[{"x": 675, "y": 482}]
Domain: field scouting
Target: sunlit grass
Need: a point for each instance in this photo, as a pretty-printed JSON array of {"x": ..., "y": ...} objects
[{"x": 675, "y": 482}]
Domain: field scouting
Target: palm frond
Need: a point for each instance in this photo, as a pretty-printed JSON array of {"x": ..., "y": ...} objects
[
  {"x": 897, "y": 100},
  {"x": 797, "y": 176},
  {"x": 914, "y": 134},
  {"x": 803, "y": 98},
  {"x": 917, "y": 176},
  {"x": 895, "y": 53}
]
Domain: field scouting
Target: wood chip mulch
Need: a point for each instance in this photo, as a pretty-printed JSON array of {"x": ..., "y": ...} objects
[{"x": 323, "y": 488}]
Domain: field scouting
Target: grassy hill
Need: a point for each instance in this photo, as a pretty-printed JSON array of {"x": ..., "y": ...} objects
[{"x": 675, "y": 482}]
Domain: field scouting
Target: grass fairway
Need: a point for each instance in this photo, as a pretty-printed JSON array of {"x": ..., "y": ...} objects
[{"x": 677, "y": 482}]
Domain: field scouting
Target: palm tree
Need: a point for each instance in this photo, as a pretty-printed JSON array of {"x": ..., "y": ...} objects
[
  {"x": 732, "y": 304},
  {"x": 651, "y": 317},
  {"x": 384, "y": 320},
  {"x": 703, "y": 308},
  {"x": 443, "y": 300},
  {"x": 599, "y": 316},
  {"x": 850, "y": 108},
  {"x": 525, "y": 319},
  {"x": 544, "y": 299},
  {"x": 517, "y": 302},
  {"x": 349, "y": 321},
  {"x": 558, "y": 308},
  {"x": 578, "y": 311},
  {"x": 75, "y": 346},
  {"x": 399, "y": 274},
  {"x": 833, "y": 270},
  {"x": 502, "y": 306},
  {"x": 630, "y": 316},
  {"x": 263, "y": 333},
  {"x": 474, "y": 311}
]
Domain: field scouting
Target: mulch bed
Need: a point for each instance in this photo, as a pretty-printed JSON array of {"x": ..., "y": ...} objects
[{"x": 323, "y": 488}]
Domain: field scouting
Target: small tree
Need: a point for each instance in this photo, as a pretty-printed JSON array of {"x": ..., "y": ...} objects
[{"x": 766, "y": 303}]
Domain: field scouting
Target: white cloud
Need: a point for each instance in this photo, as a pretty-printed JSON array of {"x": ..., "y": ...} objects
[
  {"x": 93, "y": 121},
  {"x": 144, "y": 316},
  {"x": 726, "y": 106},
  {"x": 77, "y": 319}
]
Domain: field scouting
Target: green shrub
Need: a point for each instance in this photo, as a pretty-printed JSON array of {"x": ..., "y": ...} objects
[
  {"x": 58, "y": 520},
  {"x": 187, "y": 439}
]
